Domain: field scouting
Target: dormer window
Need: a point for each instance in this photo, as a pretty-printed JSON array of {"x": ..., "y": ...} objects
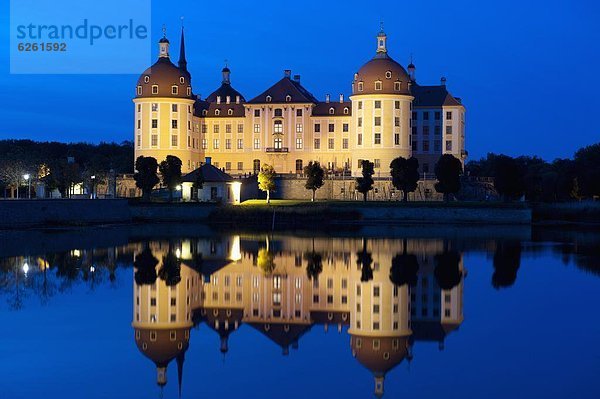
[
  {"x": 397, "y": 86},
  {"x": 388, "y": 75},
  {"x": 378, "y": 85},
  {"x": 227, "y": 99},
  {"x": 360, "y": 86},
  {"x": 182, "y": 80},
  {"x": 218, "y": 99},
  {"x": 154, "y": 89},
  {"x": 288, "y": 98},
  {"x": 237, "y": 99},
  {"x": 268, "y": 99},
  {"x": 331, "y": 111},
  {"x": 204, "y": 112},
  {"x": 229, "y": 112},
  {"x": 174, "y": 90},
  {"x": 139, "y": 90},
  {"x": 189, "y": 91},
  {"x": 146, "y": 79},
  {"x": 346, "y": 111},
  {"x": 217, "y": 112}
]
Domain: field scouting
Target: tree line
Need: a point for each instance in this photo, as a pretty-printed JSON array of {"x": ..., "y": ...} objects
[{"x": 60, "y": 165}]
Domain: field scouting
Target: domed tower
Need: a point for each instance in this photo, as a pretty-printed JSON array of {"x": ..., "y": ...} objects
[
  {"x": 164, "y": 110},
  {"x": 381, "y": 110},
  {"x": 380, "y": 327},
  {"x": 162, "y": 310}
]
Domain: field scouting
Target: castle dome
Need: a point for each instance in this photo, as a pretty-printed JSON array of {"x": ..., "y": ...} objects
[
  {"x": 162, "y": 345},
  {"x": 379, "y": 354},
  {"x": 381, "y": 75},
  {"x": 164, "y": 79}
]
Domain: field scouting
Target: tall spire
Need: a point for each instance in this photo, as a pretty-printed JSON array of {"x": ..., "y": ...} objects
[
  {"x": 180, "y": 360},
  {"x": 381, "y": 40},
  {"x": 182, "y": 60}
]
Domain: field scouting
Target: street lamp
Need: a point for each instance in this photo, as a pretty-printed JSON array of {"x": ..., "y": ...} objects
[
  {"x": 93, "y": 185},
  {"x": 28, "y": 178}
]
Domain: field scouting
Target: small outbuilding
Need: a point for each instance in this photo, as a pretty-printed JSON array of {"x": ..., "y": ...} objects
[{"x": 217, "y": 186}]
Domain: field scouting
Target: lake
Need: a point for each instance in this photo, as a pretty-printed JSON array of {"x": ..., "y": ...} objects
[{"x": 186, "y": 311}]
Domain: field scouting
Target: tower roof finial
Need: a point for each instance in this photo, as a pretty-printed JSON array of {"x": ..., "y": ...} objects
[
  {"x": 164, "y": 29},
  {"x": 381, "y": 27}
]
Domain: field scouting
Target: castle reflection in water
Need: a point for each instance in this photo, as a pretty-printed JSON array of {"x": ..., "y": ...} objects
[{"x": 389, "y": 294}]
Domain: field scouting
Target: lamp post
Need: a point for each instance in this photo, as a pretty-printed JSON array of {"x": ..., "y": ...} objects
[
  {"x": 93, "y": 185},
  {"x": 28, "y": 178}
]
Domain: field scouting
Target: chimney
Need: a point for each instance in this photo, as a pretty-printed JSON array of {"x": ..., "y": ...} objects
[
  {"x": 208, "y": 160},
  {"x": 218, "y": 99},
  {"x": 287, "y": 73},
  {"x": 228, "y": 99},
  {"x": 297, "y": 78},
  {"x": 341, "y": 98},
  {"x": 327, "y": 98},
  {"x": 443, "y": 81},
  {"x": 237, "y": 99}
]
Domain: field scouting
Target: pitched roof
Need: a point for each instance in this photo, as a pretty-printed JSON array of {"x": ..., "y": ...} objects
[
  {"x": 433, "y": 96},
  {"x": 210, "y": 174},
  {"x": 224, "y": 91},
  {"x": 324, "y": 108},
  {"x": 280, "y": 90}
]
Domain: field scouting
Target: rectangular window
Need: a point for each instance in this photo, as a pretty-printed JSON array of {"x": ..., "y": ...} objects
[
  {"x": 448, "y": 129},
  {"x": 228, "y": 128},
  {"x": 331, "y": 128},
  {"x": 204, "y": 144},
  {"x": 298, "y": 127},
  {"x": 359, "y": 139},
  {"x": 317, "y": 128},
  {"x": 437, "y": 116},
  {"x": 437, "y": 130},
  {"x": 397, "y": 104},
  {"x": 360, "y": 122},
  {"x": 345, "y": 128},
  {"x": 228, "y": 144},
  {"x": 378, "y": 121},
  {"x": 425, "y": 115},
  {"x": 257, "y": 113},
  {"x": 154, "y": 123},
  {"x": 216, "y": 144},
  {"x": 376, "y": 309},
  {"x": 256, "y": 128},
  {"x": 437, "y": 145},
  {"x": 174, "y": 107},
  {"x": 375, "y": 327},
  {"x": 345, "y": 144},
  {"x": 154, "y": 107},
  {"x": 299, "y": 112},
  {"x": 173, "y": 141},
  {"x": 426, "y": 130},
  {"x": 257, "y": 144},
  {"x": 317, "y": 144},
  {"x": 415, "y": 147},
  {"x": 240, "y": 144},
  {"x": 204, "y": 128},
  {"x": 331, "y": 144},
  {"x": 154, "y": 140},
  {"x": 376, "y": 291},
  {"x": 360, "y": 105},
  {"x": 377, "y": 163},
  {"x": 397, "y": 139},
  {"x": 299, "y": 143},
  {"x": 377, "y": 104},
  {"x": 216, "y": 128},
  {"x": 240, "y": 166},
  {"x": 377, "y": 138},
  {"x": 414, "y": 130},
  {"x": 397, "y": 121},
  {"x": 414, "y": 116},
  {"x": 174, "y": 123},
  {"x": 154, "y": 89},
  {"x": 448, "y": 145},
  {"x": 227, "y": 165},
  {"x": 139, "y": 124},
  {"x": 240, "y": 128},
  {"x": 449, "y": 115},
  {"x": 425, "y": 145}
]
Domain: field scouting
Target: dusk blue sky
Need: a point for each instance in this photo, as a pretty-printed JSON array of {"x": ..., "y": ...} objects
[{"x": 528, "y": 72}]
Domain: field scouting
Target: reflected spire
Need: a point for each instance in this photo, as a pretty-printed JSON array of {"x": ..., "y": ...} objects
[{"x": 180, "y": 360}]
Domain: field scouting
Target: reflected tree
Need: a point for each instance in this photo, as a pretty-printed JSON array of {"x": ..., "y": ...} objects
[
  {"x": 145, "y": 267},
  {"x": 266, "y": 261},
  {"x": 404, "y": 268},
  {"x": 447, "y": 269},
  {"x": 364, "y": 260},
  {"x": 507, "y": 260},
  {"x": 170, "y": 272},
  {"x": 314, "y": 265}
]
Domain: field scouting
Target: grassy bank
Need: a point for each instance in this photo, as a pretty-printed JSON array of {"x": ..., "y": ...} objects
[
  {"x": 385, "y": 204},
  {"x": 585, "y": 212}
]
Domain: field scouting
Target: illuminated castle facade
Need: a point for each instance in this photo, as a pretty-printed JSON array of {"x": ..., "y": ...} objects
[{"x": 388, "y": 115}]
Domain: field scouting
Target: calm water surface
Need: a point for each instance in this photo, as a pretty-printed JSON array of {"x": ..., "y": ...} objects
[{"x": 169, "y": 311}]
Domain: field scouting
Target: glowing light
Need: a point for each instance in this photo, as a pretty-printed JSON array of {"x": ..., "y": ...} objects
[
  {"x": 179, "y": 188},
  {"x": 26, "y": 176},
  {"x": 236, "y": 189},
  {"x": 236, "y": 253},
  {"x": 76, "y": 253},
  {"x": 25, "y": 267},
  {"x": 178, "y": 253},
  {"x": 92, "y": 269}
]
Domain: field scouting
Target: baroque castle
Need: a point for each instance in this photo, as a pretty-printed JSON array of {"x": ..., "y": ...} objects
[{"x": 388, "y": 115}]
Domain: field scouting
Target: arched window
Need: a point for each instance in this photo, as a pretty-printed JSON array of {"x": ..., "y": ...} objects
[
  {"x": 256, "y": 165},
  {"x": 278, "y": 127},
  {"x": 182, "y": 80},
  {"x": 154, "y": 89},
  {"x": 189, "y": 91},
  {"x": 146, "y": 79},
  {"x": 378, "y": 85},
  {"x": 331, "y": 111},
  {"x": 288, "y": 98},
  {"x": 174, "y": 89},
  {"x": 299, "y": 167},
  {"x": 360, "y": 86},
  {"x": 346, "y": 111},
  {"x": 268, "y": 99},
  {"x": 397, "y": 86},
  {"x": 229, "y": 112},
  {"x": 139, "y": 90},
  {"x": 217, "y": 112},
  {"x": 204, "y": 112}
]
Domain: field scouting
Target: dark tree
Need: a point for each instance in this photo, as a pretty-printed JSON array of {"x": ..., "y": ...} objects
[
  {"x": 170, "y": 272},
  {"x": 447, "y": 171},
  {"x": 314, "y": 265},
  {"x": 509, "y": 177},
  {"x": 315, "y": 175},
  {"x": 447, "y": 271},
  {"x": 145, "y": 176},
  {"x": 507, "y": 260},
  {"x": 405, "y": 175},
  {"x": 364, "y": 260},
  {"x": 145, "y": 267},
  {"x": 364, "y": 184},
  {"x": 404, "y": 268},
  {"x": 170, "y": 171},
  {"x": 587, "y": 161}
]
